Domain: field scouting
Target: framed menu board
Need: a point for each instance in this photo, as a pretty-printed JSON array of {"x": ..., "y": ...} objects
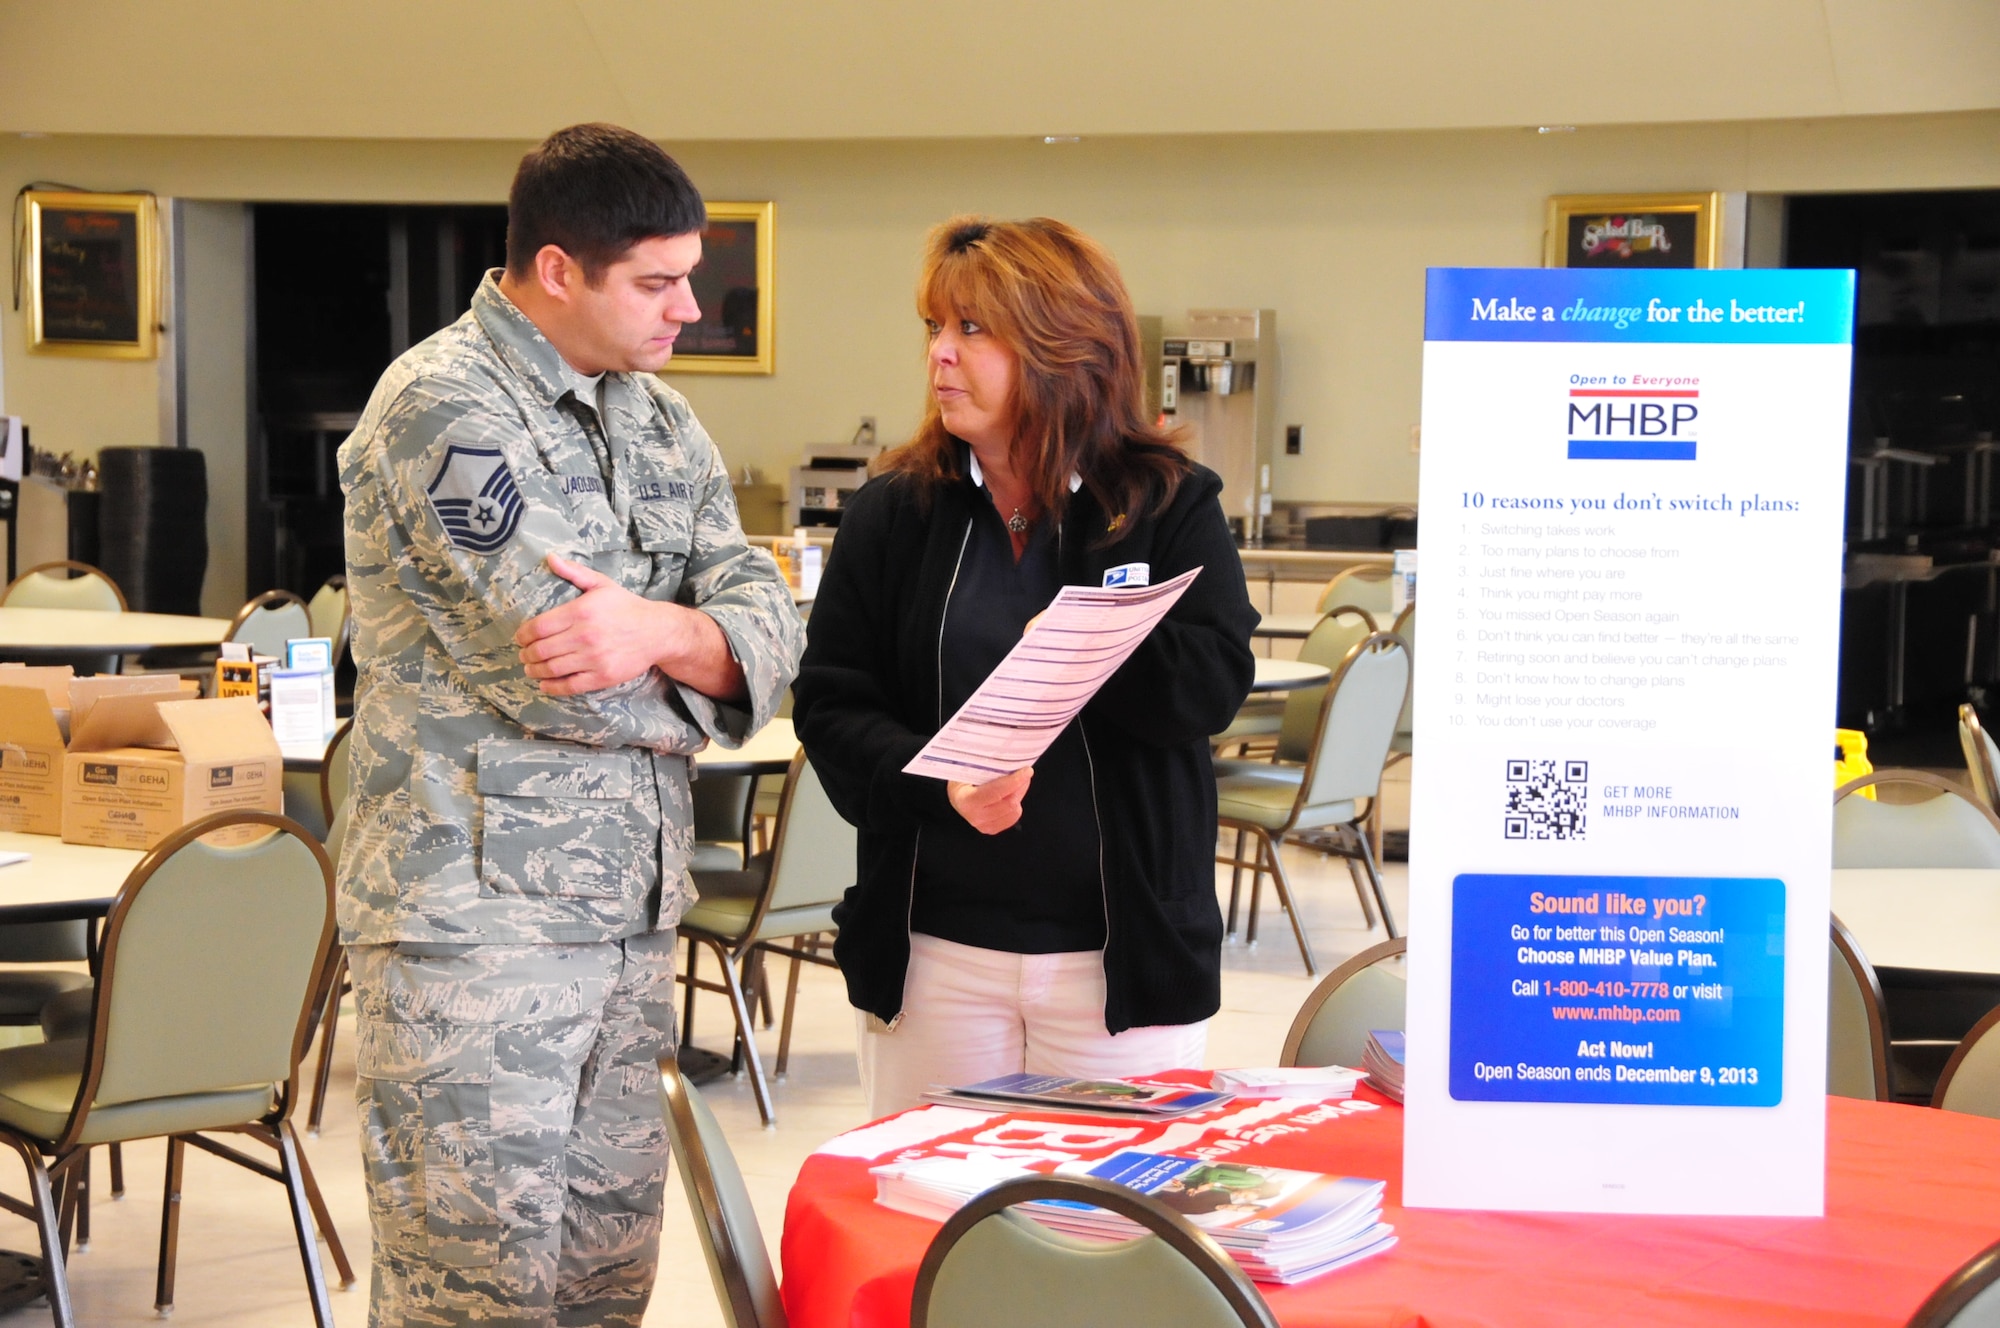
[
  {"x": 733, "y": 287},
  {"x": 93, "y": 267}
]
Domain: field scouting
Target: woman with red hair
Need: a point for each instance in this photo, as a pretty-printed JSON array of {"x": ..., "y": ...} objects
[{"x": 1061, "y": 919}]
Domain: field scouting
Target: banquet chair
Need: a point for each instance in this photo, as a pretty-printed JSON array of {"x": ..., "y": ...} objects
[
  {"x": 1404, "y": 743},
  {"x": 267, "y": 621},
  {"x": 1289, "y": 718},
  {"x": 992, "y": 1268},
  {"x": 1952, "y": 829},
  {"x": 1326, "y": 645},
  {"x": 1343, "y": 770},
  {"x": 785, "y": 894},
  {"x": 722, "y": 812},
  {"x": 1982, "y": 758},
  {"x": 333, "y": 789},
  {"x": 327, "y": 615},
  {"x": 1971, "y": 1079},
  {"x": 1857, "y": 1040},
  {"x": 746, "y": 1287},
  {"x": 1367, "y": 588},
  {"x": 1969, "y": 1298},
  {"x": 68, "y": 584},
  {"x": 1365, "y": 993},
  {"x": 186, "y": 1039}
]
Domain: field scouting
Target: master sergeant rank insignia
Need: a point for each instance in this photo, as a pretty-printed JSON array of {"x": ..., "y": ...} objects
[{"x": 475, "y": 498}]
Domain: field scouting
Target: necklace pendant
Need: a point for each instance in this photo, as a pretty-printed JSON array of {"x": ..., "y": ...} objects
[{"x": 1017, "y": 523}]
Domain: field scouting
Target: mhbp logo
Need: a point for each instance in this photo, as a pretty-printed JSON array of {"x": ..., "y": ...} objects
[{"x": 1637, "y": 417}]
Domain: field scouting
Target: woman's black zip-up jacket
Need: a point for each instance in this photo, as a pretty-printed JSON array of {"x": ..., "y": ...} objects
[{"x": 866, "y": 700}]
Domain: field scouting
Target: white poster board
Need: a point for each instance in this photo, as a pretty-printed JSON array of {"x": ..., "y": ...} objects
[{"x": 1632, "y": 506}]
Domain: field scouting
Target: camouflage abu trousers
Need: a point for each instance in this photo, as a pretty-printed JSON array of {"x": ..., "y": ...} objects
[{"x": 511, "y": 1131}]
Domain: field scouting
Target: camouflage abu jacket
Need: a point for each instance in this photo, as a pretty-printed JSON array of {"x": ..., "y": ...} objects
[{"x": 484, "y": 811}]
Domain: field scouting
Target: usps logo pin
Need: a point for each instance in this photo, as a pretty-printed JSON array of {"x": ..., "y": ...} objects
[{"x": 475, "y": 499}]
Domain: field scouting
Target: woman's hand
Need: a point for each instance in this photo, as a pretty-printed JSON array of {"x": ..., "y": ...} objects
[{"x": 994, "y": 806}]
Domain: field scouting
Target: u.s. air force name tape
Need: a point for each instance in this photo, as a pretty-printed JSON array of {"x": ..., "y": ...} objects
[{"x": 475, "y": 498}]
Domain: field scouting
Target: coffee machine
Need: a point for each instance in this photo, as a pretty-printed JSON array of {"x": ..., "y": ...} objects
[{"x": 1219, "y": 381}]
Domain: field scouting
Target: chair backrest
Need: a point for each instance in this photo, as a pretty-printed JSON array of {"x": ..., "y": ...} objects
[
  {"x": 51, "y": 586},
  {"x": 989, "y": 1266},
  {"x": 813, "y": 850},
  {"x": 1357, "y": 722},
  {"x": 1982, "y": 758},
  {"x": 1364, "y": 587},
  {"x": 1406, "y": 627},
  {"x": 722, "y": 807},
  {"x": 176, "y": 1012},
  {"x": 1952, "y": 830},
  {"x": 269, "y": 620},
  {"x": 1857, "y": 1040},
  {"x": 1367, "y": 992},
  {"x": 327, "y": 613},
  {"x": 1326, "y": 645},
  {"x": 334, "y": 770},
  {"x": 738, "y": 1262},
  {"x": 44, "y": 942},
  {"x": 1971, "y": 1079},
  {"x": 1969, "y": 1298}
]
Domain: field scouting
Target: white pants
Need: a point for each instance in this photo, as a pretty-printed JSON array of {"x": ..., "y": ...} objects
[{"x": 972, "y": 1014}]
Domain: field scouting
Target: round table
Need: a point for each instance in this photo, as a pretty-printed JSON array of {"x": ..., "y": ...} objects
[
  {"x": 1911, "y": 1193},
  {"x": 768, "y": 751},
  {"x": 1287, "y": 626},
  {"x": 1286, "y": 675},
  {"x": 32, "y": 634},
  {"x": 60, "y": 881}
]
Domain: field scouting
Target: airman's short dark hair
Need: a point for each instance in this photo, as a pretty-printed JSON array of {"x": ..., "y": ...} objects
[{"x": 594, "y": 191}]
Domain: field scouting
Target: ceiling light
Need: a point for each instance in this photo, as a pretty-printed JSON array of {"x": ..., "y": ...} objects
[
  {"x": 1051, "y": 140},
  {"x": 1555, "y": 129}
]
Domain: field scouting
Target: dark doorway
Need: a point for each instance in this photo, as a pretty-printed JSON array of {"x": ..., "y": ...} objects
[
  {"x": 340, "y": 291},
  {"x": 1919, "y": 631}
]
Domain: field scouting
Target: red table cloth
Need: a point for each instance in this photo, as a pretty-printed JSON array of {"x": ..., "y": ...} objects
[{"x": 1911, "y": 1193}]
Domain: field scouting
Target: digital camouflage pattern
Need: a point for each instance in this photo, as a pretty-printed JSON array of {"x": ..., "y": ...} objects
[
  {"x": 511, "y": 1129},
  {"x": 513, "y": 863},
  {"x": 483, "y": 810}
]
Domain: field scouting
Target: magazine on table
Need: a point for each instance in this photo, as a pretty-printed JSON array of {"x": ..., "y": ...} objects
[
  {"x": 1280, "y": 1225},
  {"x": 1383, "y": 1059},
  {"x": 1122, "y": 1097},
  {"x": 1316, "y": 1083}
]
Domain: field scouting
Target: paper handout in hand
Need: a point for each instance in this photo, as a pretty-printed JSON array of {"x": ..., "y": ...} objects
[{"x": 1047, "y": 678}]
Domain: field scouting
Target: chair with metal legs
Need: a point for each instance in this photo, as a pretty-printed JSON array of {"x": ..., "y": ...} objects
[
  {"x": 186, "y": 1039},
  {"x": 1327, "y": 645},
  {"x": 783, "y": 895},
  {"x": 1330, "y": 792}
]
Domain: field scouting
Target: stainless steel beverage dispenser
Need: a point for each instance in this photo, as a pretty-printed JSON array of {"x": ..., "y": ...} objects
[{"x": 1219, "y": 380}]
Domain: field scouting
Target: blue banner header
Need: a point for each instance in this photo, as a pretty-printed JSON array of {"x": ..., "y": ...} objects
[{"x": 1768, "y": 306}]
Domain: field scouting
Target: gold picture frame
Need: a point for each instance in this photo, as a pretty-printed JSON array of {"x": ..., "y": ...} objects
[
  {"x": 734, "y": 286},
  {"x": 1628, "y": 231},
  {"x": 93, "y": 274}
]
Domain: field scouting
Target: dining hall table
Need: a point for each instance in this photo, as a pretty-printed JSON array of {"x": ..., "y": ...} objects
[
  {"x": 32, "y": 635},
  {"x": 1911, "y": 1193}
]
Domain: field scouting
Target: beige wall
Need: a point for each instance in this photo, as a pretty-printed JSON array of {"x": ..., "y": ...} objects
[
  {"x": 1332, "y": 230},
  {"x": 512, "y": 69}
]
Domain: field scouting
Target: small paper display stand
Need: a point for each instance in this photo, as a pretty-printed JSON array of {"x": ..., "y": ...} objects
[{"x": 1632, "y": 507}]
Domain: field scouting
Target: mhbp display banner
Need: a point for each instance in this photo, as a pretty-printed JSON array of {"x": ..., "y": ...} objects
[{"x": 1631, "y": 509}]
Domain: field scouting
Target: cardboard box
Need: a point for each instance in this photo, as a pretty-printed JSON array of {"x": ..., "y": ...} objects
[
  {"x": 31, "y": 758},
  {"x": 140, "y": 767}
]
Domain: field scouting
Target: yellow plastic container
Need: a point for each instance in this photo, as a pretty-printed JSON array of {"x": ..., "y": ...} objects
[{"x": 1850, "y": 758}]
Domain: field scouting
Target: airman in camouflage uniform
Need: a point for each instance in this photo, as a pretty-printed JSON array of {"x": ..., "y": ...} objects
[{"x": 515, "y": 861}]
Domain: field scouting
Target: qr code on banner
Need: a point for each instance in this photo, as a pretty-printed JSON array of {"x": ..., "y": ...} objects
[{"x": 1547, "y": 799}]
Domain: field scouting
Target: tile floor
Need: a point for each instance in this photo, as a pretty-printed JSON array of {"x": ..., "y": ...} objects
[{"x": 239, "y": 1266}]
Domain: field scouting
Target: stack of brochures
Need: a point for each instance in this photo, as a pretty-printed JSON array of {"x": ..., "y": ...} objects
[
  {"x": 1123, "y": 1097},
  {"x": 1280, "y": 1225},
  {"x": 1383, "y": 1059},
  {"x": 1311, "y": 1083}
]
